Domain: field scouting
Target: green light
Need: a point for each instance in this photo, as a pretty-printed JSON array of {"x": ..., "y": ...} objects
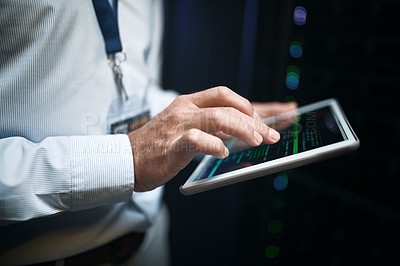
[
  {"x": 275, "y": 226},
  {"x": 296, "y": 135},
  {"x": 293, "y": 69},
  {"x": 271, "y": 251},
  {"x": 292, "y": 74}
]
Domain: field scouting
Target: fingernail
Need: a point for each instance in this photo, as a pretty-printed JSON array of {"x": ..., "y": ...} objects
[
  {"x": 224, "y": 154},
  {"x": 274, "y": 134},
  {"x": 258, "y": 137}
]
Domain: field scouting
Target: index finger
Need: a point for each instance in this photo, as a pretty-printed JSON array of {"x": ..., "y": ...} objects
[{"x": 222, "y": 97}]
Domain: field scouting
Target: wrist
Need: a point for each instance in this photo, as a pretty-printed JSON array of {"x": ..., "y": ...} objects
[{"x": 136, "y": 163}]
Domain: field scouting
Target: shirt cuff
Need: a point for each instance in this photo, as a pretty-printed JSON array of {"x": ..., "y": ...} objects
[{"x": 102, "y": 170}]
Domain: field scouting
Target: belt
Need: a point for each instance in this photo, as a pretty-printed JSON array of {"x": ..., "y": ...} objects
[{"x": 115, "y": 253}]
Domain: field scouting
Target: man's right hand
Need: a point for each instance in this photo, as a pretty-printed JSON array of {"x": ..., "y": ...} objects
[{"x": 168, "y": 142}]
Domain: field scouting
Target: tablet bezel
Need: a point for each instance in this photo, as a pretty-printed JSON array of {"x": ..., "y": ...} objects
[{"x": 281, "y": 164}]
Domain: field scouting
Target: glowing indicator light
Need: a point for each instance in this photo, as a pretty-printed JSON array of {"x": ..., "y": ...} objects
[
  {"x": 272, "y": 251},
  {"x": 293, "y": 69},
  {"x": 280, "y": 182},
  {"x": 292, "y": 74},
  {"x": 275, "y": 226},
  {"x": 292, "y": 78},
  {"x": 296, "y": 49},
  {"x": 300, "y": 15},
  {"x": 292, "y": 83}
]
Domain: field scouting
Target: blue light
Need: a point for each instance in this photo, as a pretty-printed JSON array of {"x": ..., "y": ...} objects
[
  {"x": 300, "y": 15},
  {"x": 280, "y": 182},
  {"x": 296, "y": 50},
  {"x": 292, "y": 82},
  {"x": 292, "y": 77}
]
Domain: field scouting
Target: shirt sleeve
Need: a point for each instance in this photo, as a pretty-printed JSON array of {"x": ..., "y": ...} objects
[{"x": 63, "y": 174}]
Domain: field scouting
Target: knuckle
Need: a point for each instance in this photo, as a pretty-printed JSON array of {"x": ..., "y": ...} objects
[
  {"x": 175, "y": 115},
  {"x": 192, "y": 135},
  {"x": 180, "y": 99},
  {"x": 258, "y": 124},
  {"x": 213, "y": 113},
  {"x": 234, "y": 113},
  {"x": 223, "y": 91},
  {"x": 186, "y": 119},
  {"x": 248, "y": 103},
  {"x": 213, "y": 119},
  {"x": 231, "y": 116},
  {"x": 248, "y": 130},
  {"x": 230, "y": 111}
]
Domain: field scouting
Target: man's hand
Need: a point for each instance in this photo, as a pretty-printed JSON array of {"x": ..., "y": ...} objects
[{"x": 168, "y": 142}]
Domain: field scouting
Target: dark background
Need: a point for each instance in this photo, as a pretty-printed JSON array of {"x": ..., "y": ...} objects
[{"x": 343, "y": 211}]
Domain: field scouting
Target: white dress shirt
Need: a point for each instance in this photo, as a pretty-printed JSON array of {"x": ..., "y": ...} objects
[{"x": 66, "y": 186}]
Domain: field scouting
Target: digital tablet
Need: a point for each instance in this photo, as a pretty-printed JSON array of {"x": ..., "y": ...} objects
[{"x": 311, "y": 133}]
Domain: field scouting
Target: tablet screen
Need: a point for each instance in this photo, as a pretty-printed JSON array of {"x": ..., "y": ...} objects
[{"x": 299, "y": 133}]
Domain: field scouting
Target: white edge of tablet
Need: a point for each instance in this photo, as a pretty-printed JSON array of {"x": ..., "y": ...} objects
[{"x": 280, "y": 164}]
